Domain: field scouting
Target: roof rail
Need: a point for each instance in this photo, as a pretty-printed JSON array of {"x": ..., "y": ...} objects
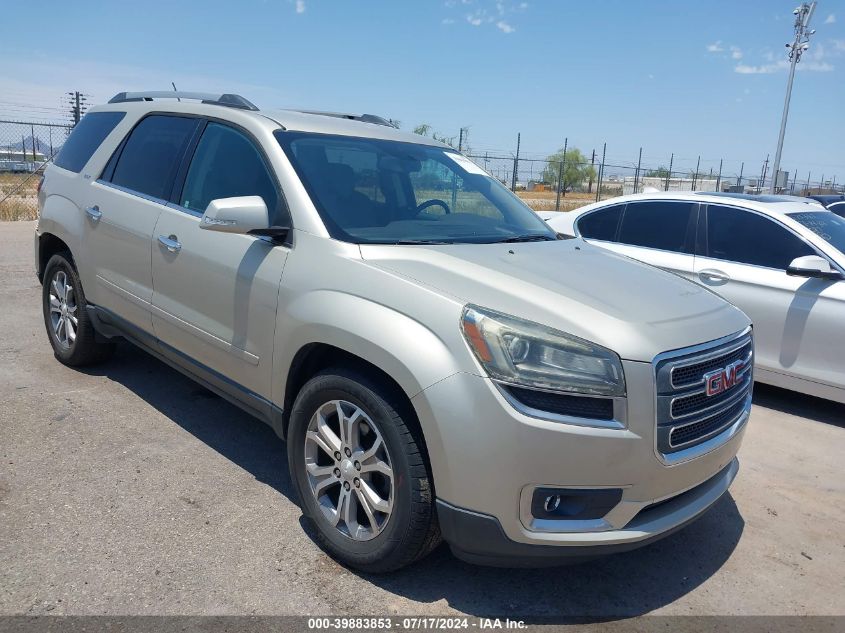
[
  {"x": 226, "y": 99},
  {"x": 363, "y": 118}
]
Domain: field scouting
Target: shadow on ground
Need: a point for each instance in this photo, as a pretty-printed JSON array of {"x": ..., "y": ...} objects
[
  {"x": 618, "y": 586},
  {"x": 799, "y": 404}
]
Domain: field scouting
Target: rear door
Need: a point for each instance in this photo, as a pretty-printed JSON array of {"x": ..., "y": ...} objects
[
  {"x": 658, "y": 232},
  {"x": 744, "y": 259},
  {"x": 216, "y": 293},
  {"x": 122, "y": 209}
]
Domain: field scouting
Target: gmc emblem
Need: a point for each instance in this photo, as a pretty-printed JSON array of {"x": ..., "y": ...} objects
[{"x": 716, "y": 382}]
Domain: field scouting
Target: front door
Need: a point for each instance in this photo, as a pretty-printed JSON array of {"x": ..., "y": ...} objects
[
  {"x": 746, "y": 258},
  {"x": 216, "y": 294}
]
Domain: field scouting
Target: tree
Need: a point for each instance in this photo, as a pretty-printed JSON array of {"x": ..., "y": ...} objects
[
  {"x": 576, "y": 168},
  {"x": 660, "y": 172},
  {"x": 424, "y": 129}
]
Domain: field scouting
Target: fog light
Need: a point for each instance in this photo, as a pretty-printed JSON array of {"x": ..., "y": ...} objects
[
  {"x": 574, "y": 504},
  {"x": 551, "y": 503}
]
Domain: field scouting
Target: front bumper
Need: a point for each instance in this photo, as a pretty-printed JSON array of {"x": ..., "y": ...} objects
[
  {"x": 487, "y": 459},
  {"x": 479, "y": 539}
]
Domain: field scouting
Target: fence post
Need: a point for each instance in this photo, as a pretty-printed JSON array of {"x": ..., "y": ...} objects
[
  {"x": 809, "y": 173},
  {"x": 592, "y": 164},
  {"x": 739, "y": 180},
  {"x": 695, "y": 175},
  {"x": 669, "y": 173},
  {"x": 516, "y": 162},
  {"x": 601, "y": 172},
  {"x": 560, "y": 173},
  {"x": 719, "y": 177},
  {"x": 637, "y": 173}
]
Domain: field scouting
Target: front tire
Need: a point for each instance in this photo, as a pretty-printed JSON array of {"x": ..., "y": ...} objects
[
  {"x": 361, "y": 475},
  {"x": 69, "y": 328}
]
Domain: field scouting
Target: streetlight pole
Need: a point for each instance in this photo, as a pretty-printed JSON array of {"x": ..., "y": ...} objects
[{"x": 803, "y": 13}]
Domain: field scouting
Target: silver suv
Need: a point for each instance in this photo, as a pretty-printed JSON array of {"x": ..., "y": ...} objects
[{"x": 437, "y": 358}]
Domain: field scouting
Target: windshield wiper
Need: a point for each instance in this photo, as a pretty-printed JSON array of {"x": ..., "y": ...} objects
[
  {"x": 536, "y": 237},
  {"x": 412, "y": 242}
]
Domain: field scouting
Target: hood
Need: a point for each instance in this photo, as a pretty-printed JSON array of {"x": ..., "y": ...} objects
[{"x": 634, "y": 309}]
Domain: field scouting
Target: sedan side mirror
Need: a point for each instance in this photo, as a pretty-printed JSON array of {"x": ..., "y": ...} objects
[
  {"x": 814, "y": 267},
  {"x": 240, "y": 214}
]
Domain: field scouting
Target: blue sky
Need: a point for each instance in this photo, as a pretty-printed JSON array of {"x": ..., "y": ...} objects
[{"x": 689, "y": 77}]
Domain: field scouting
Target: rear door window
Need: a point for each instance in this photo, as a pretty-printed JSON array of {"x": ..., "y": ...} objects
[
  {"x": 665, "y": 225},
  {"x": 227, "y": 164},
  {"x": 601, "y": 224},
  {"x": 744, "y": 237},
  {"x": 150, "y": 156},
  {"x": 86, "y": 138}
]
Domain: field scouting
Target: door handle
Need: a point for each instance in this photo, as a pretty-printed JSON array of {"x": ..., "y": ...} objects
[
  {"x": 94, "y": 212},
  {"x": 714, "y": 276},
  {"x": 171, "y": 243}
]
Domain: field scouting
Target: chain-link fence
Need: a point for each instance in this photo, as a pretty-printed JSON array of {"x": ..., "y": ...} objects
[
  {"x": 25, "y": 148},
  {"x": 563, "y": 184}
]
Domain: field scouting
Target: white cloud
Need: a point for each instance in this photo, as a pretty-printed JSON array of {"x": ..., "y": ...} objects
[
  {"x": 715, "y": 47},
  {"x": 736, "y": 52},
  {"x": 447, "y": 21},
  {"x": 505, "y": 27},
  {"x": 300, "y": 6},
  {"x": 838, "y": 45},
  {"x": 831, "y": 19},
  {"x": 474, "y": 19},
  {"x": 768, "y": 69}
]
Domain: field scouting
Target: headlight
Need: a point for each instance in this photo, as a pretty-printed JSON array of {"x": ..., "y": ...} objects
[{"x": 520, "y": 352}]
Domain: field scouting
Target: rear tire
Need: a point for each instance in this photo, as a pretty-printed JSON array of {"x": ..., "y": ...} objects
[
  {"x": 389, "y": 520},
  {"x": 69, "y": 327}
]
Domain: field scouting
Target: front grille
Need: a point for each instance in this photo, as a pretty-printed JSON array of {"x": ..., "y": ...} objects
[
  {"x": 563, "y": 404},
  {"x": 686, "y": 414},
  {"x": 693, "y": 373}
]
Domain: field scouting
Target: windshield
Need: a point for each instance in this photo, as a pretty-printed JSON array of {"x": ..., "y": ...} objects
[
  {"x": 828, "y": 226},
  {"x": 371, "y": 191}
]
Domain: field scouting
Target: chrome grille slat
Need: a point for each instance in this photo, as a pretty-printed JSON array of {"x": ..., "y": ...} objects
[{"x": 686, "y": 416}]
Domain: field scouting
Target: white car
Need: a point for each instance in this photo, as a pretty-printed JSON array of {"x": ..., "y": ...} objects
[{"x": 781, "y": 259}]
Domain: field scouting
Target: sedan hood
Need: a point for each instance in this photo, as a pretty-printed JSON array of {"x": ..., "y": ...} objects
[{"x": 629, "y": 307}]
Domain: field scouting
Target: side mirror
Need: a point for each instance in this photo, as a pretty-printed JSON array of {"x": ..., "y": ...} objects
[
  {"x": 812, "y": 266},
  {"x": 241, "y": 214}
]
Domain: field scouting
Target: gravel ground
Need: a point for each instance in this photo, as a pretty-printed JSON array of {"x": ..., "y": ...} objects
[{"x": 128, "y": 489}]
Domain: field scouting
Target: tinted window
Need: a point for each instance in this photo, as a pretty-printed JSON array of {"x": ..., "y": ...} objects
[
  {"x": 838, "y": 208},
  {"x": 227, "y": 164},
  {"x": 747, "y": 238},
  {"x": 660, "y": 225},
  {"x": 601, "y": 225},
  {"x": 86, "y": 138},
  {"x": 378, "y": 191},
  {"x": 152, "y": 153},
  {"x": 828, "y": 226}
]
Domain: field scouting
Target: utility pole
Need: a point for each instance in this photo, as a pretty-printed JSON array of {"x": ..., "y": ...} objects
[
  {"x": 739, "y": 180},
  {"x": 695, "y": 175},
  {"x": 77, "y": 105},
  {"x": 803, "y": 13},
  {"x": 719, "y": 177},
  {"x": 601, "y": 172},
  {"x": 516, "y": 162},
  {"x": 592, "y": 171}
]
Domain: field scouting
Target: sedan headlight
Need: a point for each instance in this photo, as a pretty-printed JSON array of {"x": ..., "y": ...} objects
[{"x": 521, "y": 352}]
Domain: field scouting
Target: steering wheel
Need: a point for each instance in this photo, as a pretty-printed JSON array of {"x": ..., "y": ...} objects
[{"x": 434, "y": 202}]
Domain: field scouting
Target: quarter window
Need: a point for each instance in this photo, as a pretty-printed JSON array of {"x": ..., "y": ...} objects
[
  {"x": 601, "y": 224},
  {"x": 86, "y": 138},
  {"x": 657, "y": 224},
  {"x": 748, "y": 238},
  {"x": 152, "y": 153},
  {"x": 227, "y": 164}
]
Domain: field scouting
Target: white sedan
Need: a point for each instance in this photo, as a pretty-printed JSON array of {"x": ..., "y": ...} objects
[{"x": 781, "y": 259}]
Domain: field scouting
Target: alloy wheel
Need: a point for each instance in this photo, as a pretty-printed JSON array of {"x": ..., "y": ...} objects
[
  {"x": 349, "y": 470},
  {"x": 63, "y": 310}
]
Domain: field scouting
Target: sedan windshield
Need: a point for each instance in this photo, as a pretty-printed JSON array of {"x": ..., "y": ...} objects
[
  {"x": 371, "y": 191},
  {"x": 828, "y": 226}
]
